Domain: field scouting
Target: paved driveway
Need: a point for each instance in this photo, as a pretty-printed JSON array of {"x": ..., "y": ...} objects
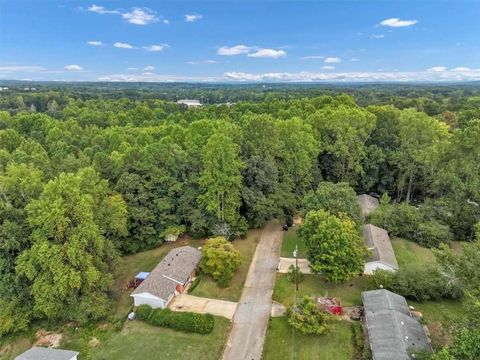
[
  {"x": 253, "y": 310},
  {"x": 185, "y": 302},
  {"x": 285, "y": 263}
]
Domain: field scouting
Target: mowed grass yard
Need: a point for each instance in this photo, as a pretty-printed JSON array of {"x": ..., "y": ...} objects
[
  {"x": 290, "y": 240},
  {"x": 138, "y": 340},
  {"x": 207, "y": 287},
  {"x": 283, "y": 343},
  {"x": 315, "y": 285}
]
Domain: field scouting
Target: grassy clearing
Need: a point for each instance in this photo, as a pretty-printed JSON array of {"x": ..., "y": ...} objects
[
  {"x": 131, "y": 265},
  {"x": 315, "y": 285},
  {"x": 290, "y": 240},
  {"x": 411, "y": 254},
  {"x": 138, "y": 340},
  {"x": 281, "y": 345},
  {"x": 209, "y": 288}
]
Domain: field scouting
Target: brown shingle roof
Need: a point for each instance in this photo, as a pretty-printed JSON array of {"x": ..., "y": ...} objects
[
  {"x": 175, "y": 268},
  {"x": 378, "y": 241}
]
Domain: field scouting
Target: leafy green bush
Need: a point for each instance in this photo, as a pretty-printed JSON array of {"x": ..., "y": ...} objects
[
  {"x": 182, "y": 321},
  {"x": 308, "y": 318},
  {"x": 143, "y": 312},
  {"x": 420, "y": 285},
  {"x": 411, "y": 223},
  {"x": 294, "y": 274}
]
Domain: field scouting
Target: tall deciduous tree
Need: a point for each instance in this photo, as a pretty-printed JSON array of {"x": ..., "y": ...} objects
[
  {"x": 334, "y": 246},
  {"x": 69, "y": 263},
  {"x": 220, "y": 259}
]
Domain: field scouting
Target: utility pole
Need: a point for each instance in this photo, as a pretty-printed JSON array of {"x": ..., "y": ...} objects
[{"x": 295, "y": 254}]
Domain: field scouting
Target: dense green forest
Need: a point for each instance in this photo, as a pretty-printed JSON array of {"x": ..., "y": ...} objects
[{"x": 88, "y": 174}]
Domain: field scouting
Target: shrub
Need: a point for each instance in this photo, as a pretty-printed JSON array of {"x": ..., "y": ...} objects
[
  {"x": 220, "y": 259},
  {"x": 417, "y": 284},
  {"x": 182, "y": 321},
  {"x": 143, "y": 312},
  {"x": 294, "y": 274},
  {"x": 408, "y": 222},
  {"x": 308, "y": 318}
]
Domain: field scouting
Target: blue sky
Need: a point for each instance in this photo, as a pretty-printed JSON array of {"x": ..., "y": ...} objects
[{"x": 240, "y": 40}]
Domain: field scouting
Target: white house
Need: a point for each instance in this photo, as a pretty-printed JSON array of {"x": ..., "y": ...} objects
[
  {"x": 169, "y": 278},
  {"x": 41, "y": 353},
  {"x": 380, "y": 248}
]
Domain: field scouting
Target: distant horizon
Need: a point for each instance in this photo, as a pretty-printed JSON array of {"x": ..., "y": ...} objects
[{"x": 230, "y": 41}]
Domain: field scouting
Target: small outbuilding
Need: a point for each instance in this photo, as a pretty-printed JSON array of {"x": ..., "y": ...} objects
[
  {"x": 392, "y": 332},
  {"x": 169, "y": 278},
  {"x": 367, "y": 203},
  {"x": 41, "y": 353},
  {"x": 381, "y": 254}
]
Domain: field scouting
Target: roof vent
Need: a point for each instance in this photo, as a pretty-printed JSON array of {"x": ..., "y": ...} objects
[{"x": 401, "y": 322}]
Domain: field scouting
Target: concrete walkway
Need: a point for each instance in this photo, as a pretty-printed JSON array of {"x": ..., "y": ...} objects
[
  {"x": 285, "y": 263},
  {"x": 185, "y": 302},
  {"x": 253, "y": 310}
]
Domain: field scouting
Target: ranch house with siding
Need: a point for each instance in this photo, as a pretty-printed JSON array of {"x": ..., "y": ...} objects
[{"x": 169, "y": 278}]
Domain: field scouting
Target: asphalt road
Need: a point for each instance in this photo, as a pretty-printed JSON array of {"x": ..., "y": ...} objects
[{"x": 253, "y": 310}]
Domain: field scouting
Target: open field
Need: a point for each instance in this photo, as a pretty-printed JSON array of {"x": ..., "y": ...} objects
[
  {"x": 410, "y": 254},
  {"x": 284, "y": 343},
  {"x": 207, "y": 287},
  {"x": 315, "y": 285},
  {"x": 138, "y": 340},
  {"x": 290, "y": 240}
]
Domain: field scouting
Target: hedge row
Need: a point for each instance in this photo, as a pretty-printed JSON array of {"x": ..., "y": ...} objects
[{"x": 182, "y": 321}]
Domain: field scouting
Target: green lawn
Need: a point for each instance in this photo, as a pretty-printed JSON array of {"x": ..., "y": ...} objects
[
  {"x": 411, "y": 254},
  {"x": 138, "y": 340},
  {"x": 209, "y": 288},
  {"x": 290, "y": 240},
  {"x": 283, "y": 343},
  {"x": 131, "y": 265},
  {"x": 315, "y": 285}
]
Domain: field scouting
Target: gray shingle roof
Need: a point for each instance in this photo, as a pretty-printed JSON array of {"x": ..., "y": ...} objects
[
  {"x": 178, "y": 265},
  {"x": 378, "y": 240},
  {"x": 367, "y": 203},
  {"x": 392, "y": 332},
  {"x": 41, "y": 353}
]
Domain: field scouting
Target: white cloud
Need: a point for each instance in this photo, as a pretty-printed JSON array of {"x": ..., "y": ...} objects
[
  {"x": 149, "y": 68},
  {"x": 202, "y": 62},
  {"x": 132, "y": 68},
  {"x": 147, "y": 73},
  {"x": 192, "y": 17},
  {"x": 149, "y": 77},
  {"x": 121, "y": 45},
  {"x": 101, "y": 10},
  {"x": 313, "y": 57},
  {"x": 140, "y": 16},
  {"x": 354, "y": 59},
  {"x": 73, "y": 68},
  {"x": 95, "y": 43},
  {"x": 396, "y": 22},
  {"x": 20, "y": 68},
  {"x": 379, "y": 36},
  {"x": 234, "y": 50},
  {"x": 328, "y": 67},
  {"x": 137, "y": 16},
  {"x": 156, "y": 48},
  {"x": 333, "y": 60},
  {"x": 437, "y": 69},
  {"x": 461, "y": 69},
  {"x": 268, "y": 53},
  {"x": 382, "y": 76}
]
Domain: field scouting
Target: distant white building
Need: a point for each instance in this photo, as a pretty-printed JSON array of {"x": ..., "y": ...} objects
[
  {"x": 189, "y": 103},
  {"x": 41, "y": 353}
]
